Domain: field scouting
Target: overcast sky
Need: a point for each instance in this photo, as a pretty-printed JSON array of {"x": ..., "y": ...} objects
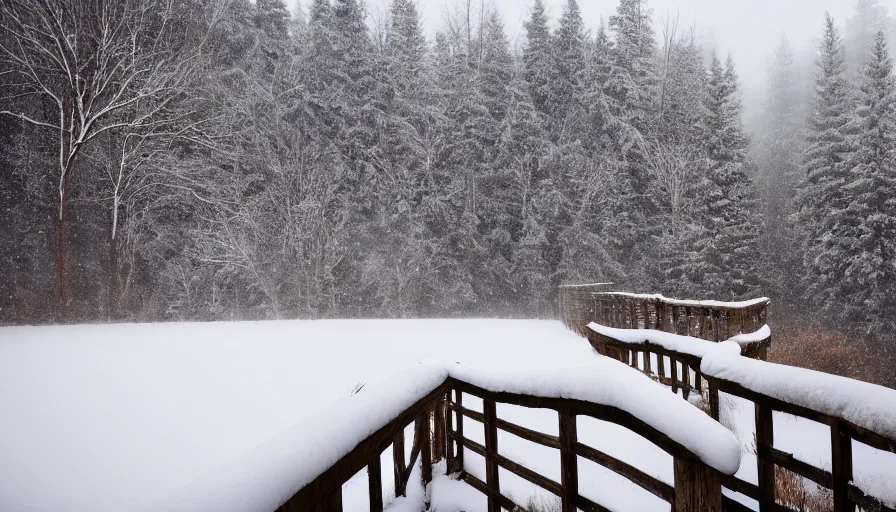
[{"x": 749, "y": 29}]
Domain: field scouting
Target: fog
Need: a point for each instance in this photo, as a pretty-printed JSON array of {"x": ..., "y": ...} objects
[{"x": 749, "y": 29}]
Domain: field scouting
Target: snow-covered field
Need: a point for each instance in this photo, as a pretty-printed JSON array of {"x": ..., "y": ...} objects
[
  {"x": 118, "y": 417},
  {"x": 123, "y": 417}
]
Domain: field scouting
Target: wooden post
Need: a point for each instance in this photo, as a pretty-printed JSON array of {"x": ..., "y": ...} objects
[
  {"x": 449, "y": 429},
  {"x": 491, "y": 452},
  {"x": 685, "y": 380},
  {"x": 459, "y": 461},
  {"x": 673, "y": 364},
  {"x": 661, "y": 365},
  {"x": 841, "y": 461},
  {"x": 698, "y": 487},
  {"x": 438, "y": 437},
  {"x": 399, "y": 463},
  {"x": 375, "y": 484},
  {"x": 425, "y": 445},
  {"x": 647, "y": 365},
  {"x": 765, "y": 439},
  {"x": 713, "y": 399},
  {"x": 569, "y": 471}
]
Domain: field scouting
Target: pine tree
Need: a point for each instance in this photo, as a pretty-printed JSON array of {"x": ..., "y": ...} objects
[
  {"x": 728, "y": 251},
  {"x": 778, "y": 153},
  {"x": 871, "y": 218},
  {"x": 537, "y": 57},
  {"x": 634, "y": 78},
  {"x": 568, "y": 67},
  {"x": 822, "y": 195},
  {"x": 631, "y": 89}
]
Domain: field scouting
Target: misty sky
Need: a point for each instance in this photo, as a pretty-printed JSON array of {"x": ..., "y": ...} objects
[{"x": 750, "y": 29}]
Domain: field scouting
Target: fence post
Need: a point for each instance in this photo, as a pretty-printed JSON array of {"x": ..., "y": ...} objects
[
  {"x": 491, "y": 452},
  {"x": 375, "y": 484},
  {"x": 425, "y": 444},
  {"x": 459, "y": 431},
  {"x": 698, "y": 487},
  {"x": 438, "y": 437},
  {"x": 399, "y": 463},
  {"x": 713, "y": 399},
  {"x": 841, "y": 462},
  {"x": 765, "y": 439},
  {"x": 569, "y": 471}
]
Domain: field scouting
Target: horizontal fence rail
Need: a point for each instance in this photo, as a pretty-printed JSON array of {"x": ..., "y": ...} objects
[
  {"x": 696, "y": 486},
  {"x": 439, "y": 433},
  {"x": 847, "y": 496}
]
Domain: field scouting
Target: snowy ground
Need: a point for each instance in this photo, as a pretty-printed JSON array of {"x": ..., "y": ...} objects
[{"x": 121, "y": 417}]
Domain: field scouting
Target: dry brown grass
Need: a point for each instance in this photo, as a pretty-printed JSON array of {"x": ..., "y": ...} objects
[
  {"x": 818, "y": 348},
  {"x": 799, "y": 494}
]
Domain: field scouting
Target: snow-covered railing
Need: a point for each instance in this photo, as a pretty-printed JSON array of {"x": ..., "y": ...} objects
[
  {"x": 304, "y": 468},
  {"x": 648, "y": 351},
  {"x": 709, "y": 320},
  {"x": 854, "y": 411}
]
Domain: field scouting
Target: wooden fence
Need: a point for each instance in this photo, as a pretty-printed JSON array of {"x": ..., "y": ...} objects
[
  {"x": 846, "y": 495},
  {"x": 439, "y": 432},
  {"x": 708, "y": 320},
  {"x": 714, "y": 323}
]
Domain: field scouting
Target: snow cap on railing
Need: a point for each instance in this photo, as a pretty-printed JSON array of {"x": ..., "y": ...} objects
[
  {"x": 264, "y": 478},
  {"x": 867, "y": 405},
  {"x": 692, "y": 303},
  {"x": 676, "y": 342}
]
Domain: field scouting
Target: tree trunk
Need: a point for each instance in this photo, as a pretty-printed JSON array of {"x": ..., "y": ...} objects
[{"x": 62, "y": 275}]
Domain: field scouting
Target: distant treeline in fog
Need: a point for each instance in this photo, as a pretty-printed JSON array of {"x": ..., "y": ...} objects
[{"x": 224, "y": 159}]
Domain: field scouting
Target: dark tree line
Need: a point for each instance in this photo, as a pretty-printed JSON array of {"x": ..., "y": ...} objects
[{"x": 223, "y": 159}]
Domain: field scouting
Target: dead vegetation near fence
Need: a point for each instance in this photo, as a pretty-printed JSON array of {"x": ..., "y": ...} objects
[{"x": 808, "y": 343}]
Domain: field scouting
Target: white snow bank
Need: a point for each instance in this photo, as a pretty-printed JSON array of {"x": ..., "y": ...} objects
[
  {"x": 866, "y": 405},
  {"x": 692, "y": 303},
  {"x": 265, "y": 477},
  {"x": 121, "y": 416},
  {"x": 675, "y": 342}
]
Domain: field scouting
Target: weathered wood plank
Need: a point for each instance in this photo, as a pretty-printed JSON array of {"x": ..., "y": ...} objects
[
  {"x": 655, "y": 486},
  {"x": 765, "y": 439},
  {"x": 698, "y": 487},
  {"x": 505, "y": 502},
  {"x": 491, "y": 452},
  {"x": 794, "y": 465},
  {"x": 841, "y": 464},
  {"x": 375, "y": 484},
  {"x": 399, "y": 463},
  {"x": 569, "y": 468}
]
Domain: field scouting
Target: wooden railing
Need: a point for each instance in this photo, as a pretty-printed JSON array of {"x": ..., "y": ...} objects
[
  {"x": 324, "y": 494},
  {"x": 439, "y": 431},
  {"x": 847, "y": 496},
  {"x": 709, "y": 320},
  {"x": 682, "y": 371}
]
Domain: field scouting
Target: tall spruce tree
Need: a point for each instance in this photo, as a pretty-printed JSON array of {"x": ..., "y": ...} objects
[
  {"x": 823, "y": 196},
  {"x": 537, "y": 57},
  {"x": 871, "y": 217},
  {"x": 729, "y": 255},
  {"x": 568, "y": 67}
]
